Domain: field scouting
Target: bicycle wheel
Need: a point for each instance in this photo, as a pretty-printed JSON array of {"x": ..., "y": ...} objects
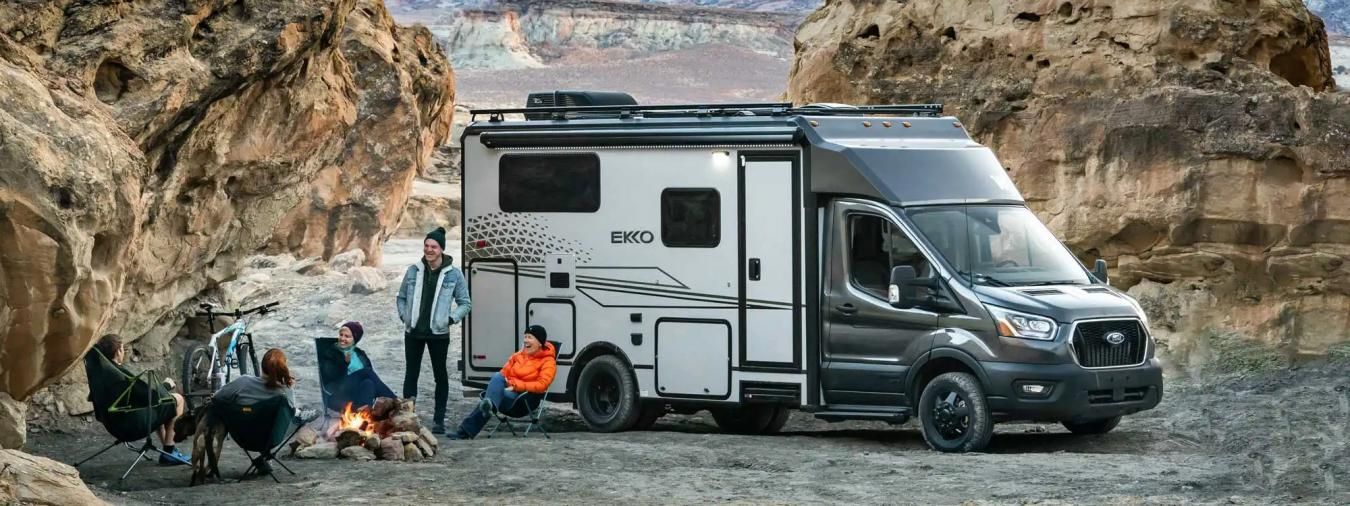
[
  {"x": 245, "y": 355},
  {"x": 196, "y": 380}
]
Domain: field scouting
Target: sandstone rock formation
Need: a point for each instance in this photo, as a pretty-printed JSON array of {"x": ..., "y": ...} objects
[
  {"x": 29, "y": 479},
  {"x": 147, "y": 148},
  {"x": 1188, "y": 142}
]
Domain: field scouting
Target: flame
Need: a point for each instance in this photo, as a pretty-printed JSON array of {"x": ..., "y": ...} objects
[{"x": 356, "y": 420}]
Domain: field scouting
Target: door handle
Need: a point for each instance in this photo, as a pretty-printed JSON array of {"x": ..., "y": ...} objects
[
  {"x": 847, "y": 308},
  {"x": 754, "y": 269}
]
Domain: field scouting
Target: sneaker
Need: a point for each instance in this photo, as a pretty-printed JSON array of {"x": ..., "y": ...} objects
[
  {"x": 175, "y": 458},
  {"x": 306, "y": 415}
]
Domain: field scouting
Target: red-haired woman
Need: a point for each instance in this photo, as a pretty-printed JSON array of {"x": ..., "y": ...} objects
[{"x": 276, "y": 381}]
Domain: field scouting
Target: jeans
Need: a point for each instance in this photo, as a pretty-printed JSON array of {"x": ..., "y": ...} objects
[
  {"x": 361, "y": 388},
  {"x": 496, "y": 392},
  {"x": 412, "y": 352}
]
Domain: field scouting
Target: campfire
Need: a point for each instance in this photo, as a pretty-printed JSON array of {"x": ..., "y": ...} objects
[{"x": 387, "y": 430}]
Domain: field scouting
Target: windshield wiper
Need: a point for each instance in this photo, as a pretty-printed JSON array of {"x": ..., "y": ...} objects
[{"x": 984, "y": 279}]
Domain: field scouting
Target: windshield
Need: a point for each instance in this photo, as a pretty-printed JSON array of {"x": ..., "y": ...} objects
[{"x": 998, "y": 245}]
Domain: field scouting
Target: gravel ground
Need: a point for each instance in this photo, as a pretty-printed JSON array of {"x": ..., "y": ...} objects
[{"x": 1257, "y": 439}]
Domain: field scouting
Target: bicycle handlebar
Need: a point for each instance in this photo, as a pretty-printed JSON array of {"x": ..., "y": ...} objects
[{"x": 238, "y": 313}]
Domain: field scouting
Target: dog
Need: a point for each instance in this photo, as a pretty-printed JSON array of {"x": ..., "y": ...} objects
[{"x": 207, "y": 441}]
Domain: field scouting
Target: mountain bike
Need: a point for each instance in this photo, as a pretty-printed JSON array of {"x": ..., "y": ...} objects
[{"x": 206, "y": 367}]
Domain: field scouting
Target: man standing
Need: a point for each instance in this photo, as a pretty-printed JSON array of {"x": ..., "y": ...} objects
[{"x": 424, "y": 306}]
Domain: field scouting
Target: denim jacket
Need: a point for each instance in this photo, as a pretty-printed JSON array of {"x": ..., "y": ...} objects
[{"x": 452, "y": 286}]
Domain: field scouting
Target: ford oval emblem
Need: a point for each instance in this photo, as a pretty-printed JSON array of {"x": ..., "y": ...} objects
[{"x": 1114, "y": 337}]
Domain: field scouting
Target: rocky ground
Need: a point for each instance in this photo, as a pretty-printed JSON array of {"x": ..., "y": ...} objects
[{"x": 1259, "y": 439}]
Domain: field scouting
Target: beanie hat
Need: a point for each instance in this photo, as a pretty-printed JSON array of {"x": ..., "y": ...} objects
[
  {"x": 437, "y": 235},
  {"x": 356, "y": 329},
  {"x": 539, "y": 334}
]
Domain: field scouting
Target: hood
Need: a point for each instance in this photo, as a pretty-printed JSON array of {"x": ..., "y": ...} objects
[{"x": 1063, "y": 303}]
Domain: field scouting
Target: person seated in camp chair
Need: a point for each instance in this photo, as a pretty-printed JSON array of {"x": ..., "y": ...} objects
[
  {"x": 276, "y": 381},
  {"x": 529, "y": 370},
  {"x": 111, "y": 346},
  {"x": 359, "y": 384}
]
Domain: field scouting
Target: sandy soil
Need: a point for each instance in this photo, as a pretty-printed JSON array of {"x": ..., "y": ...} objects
[{"x": 1259, "y": 439}]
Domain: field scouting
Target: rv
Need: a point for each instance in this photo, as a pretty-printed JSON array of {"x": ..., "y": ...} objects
[{"x": 854, "y": 263}]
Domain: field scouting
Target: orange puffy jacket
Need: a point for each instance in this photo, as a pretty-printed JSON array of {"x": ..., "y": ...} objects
[{"x": 531, "y": 373}]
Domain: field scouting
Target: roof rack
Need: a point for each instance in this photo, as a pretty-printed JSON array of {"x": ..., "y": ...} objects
[{"x": 708, "y": 110}]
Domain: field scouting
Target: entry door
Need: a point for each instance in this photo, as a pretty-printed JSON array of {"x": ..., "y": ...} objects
[
  {"x": 869, "y": 346},
  {"x": 769, "y": 259},
  {"x": 492, "y": 326}
]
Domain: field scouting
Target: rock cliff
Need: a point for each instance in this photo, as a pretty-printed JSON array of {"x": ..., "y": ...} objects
[
  {"x": 1191, "y": 143},
  {"x": 533, "y": 33},
  {"x": 147, "y": 147}
]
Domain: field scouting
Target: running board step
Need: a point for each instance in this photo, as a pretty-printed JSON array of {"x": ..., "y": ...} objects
[{"x": 893, "y": 417}]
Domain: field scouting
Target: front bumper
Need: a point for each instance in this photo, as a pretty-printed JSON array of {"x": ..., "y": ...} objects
[{"x": 1074, "y": 394}]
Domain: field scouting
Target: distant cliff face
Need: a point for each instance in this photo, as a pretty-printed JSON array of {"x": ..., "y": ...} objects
[
  {"x": 533, "y": 33},
  {"x": 1194, "y": 144},
  {"x": 781, "y": 6},
  {"x": 1336, "y": 14}
]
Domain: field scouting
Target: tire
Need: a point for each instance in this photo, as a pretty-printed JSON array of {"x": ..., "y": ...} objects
[
  {"x": 954, "y": 414},
  {"x": 607, "y": 395},
  {"x": 779, "y": 420},
  {"x": 1093, "y": 427},
  {"x": 245, "y": 356},
  {"x": 651, "y": 412},
  {"x": 747, "y": 419},
  {"x": 196, "y": 375}
]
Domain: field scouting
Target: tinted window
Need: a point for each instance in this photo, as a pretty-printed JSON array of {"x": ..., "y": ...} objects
[
  {"x": 875, "y": 246},
  {"x": 554, "y": 183},
  {"x": 691, "y": 217}
]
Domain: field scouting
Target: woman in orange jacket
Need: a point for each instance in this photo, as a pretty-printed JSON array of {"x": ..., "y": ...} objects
[{"x": 529, "y": 370}]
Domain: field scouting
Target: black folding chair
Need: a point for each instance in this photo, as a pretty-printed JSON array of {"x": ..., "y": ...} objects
[
  {"x": 526, "y": 406},
  {"x": 261, "y": 428},
  {"x": 130, "y": 406},
  {"x": 330, "y": 374}
]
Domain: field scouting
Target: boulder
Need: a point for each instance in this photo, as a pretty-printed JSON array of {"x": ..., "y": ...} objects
[
  {"x": 427, "y": 449},
  {"x": 367, "y": 280},
  {"x": 391, "y": 449},
  {"x": 1195, "y": 146},
  {"x": 344, "y": 262},
  {"x": 326, "y": 450},
  {"x": 13, "y": 423},
  {"x": 406, "y": 437},
  {"x": 149, "y": 149},
  {"x": 430, "y": 438},
  {"x": 29, "y": 479},
  {"x": 411, "y": 453},
  {"x": 357, "y": 453}
]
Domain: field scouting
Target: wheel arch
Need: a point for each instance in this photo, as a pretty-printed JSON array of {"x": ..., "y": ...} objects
[
  {"x": 587, "y": 354},
  {"x": 939, "y": 361}
]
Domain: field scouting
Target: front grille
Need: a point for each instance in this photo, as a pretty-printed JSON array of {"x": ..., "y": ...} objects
[{"x": 1093, "y": 350}]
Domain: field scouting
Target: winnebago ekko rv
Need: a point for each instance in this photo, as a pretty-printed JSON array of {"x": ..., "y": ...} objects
[{"x": 855, "y": 263}]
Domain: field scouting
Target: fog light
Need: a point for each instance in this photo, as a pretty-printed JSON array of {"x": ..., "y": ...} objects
[{"x": 1033, "y": 389}]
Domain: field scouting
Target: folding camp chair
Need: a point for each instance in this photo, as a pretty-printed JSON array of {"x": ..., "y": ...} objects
[
  {"x": 261, "y": 428},
  {"x": 329, "y": 376},
  {"x": 129, "y": 406},
  {"x": 527, "y": 405}
]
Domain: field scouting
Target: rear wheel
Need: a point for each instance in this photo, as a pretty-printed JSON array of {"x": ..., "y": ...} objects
[
  {"x": 954, "y": 414},
  {"x": 750, "y": 418},
  {"x": 1093, "y": 427},
  {"x": 607, "y": 395},
  {"x": 196, "y": 376}
]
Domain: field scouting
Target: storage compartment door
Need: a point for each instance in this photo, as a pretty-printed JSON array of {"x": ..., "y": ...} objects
[
  {"x": 492, "y": 326},
  {"x": 558, "y": 317},
  {"x": 693, "y": 358}
]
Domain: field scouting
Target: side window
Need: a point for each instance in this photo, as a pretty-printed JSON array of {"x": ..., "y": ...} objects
[
  {"x": 876, "y": 246},
  {"x": 551, "y": 183},
  {"x": 691, "y": 218}
]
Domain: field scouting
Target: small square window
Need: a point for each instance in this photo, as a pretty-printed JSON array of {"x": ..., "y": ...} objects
[{"x": 691, "y": 218}]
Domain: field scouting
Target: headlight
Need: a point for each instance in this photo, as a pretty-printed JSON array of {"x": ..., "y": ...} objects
[{"x": 1022, "y": 325}]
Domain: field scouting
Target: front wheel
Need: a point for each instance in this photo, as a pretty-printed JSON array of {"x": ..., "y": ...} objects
[
  {"x": 607, "y": 395},
  {"x": 1092, "y": 427},
  {"x": 196, "y": 379},
  {"x": 245, "y": 355},
  {"x": 954, "y": 414}
]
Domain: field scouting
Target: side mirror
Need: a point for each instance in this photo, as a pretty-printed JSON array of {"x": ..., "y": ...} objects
[
  {"x": 1099, "y": 270},
  {"x": 901, "y": 288}
]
